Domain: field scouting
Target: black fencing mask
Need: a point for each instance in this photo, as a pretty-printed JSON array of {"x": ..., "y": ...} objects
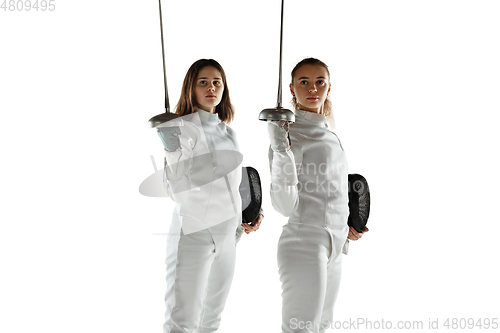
[
  {"x": 359, "y": 202},
  {"x": 251, "y": 194}
]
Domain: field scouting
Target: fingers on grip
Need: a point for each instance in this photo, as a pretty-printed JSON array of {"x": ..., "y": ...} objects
[
  {"x": 278, "y": 134},
  {"x": 170, "y": 137}
]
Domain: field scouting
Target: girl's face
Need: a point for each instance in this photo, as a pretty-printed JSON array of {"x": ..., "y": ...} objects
[
  {"x": 209, "y": 88},
  {"x": 311, "y": 87}
]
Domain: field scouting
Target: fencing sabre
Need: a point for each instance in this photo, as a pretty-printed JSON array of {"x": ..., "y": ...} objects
[
  {"x": 250, "y": 188},
  {"x": 278, "y": 113},
  {"x": 167, "y": 115},
  {"x": 359, "y": 202}
]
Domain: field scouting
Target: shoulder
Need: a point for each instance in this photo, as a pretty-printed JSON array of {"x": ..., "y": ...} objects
[
  {"x": 230, "y": 132},
  {"x": 228, "y": 128},
  {"x": 298, "y": 135},
  {"x": 192, "y": 128},
  {"x": 336, "y": 139}
]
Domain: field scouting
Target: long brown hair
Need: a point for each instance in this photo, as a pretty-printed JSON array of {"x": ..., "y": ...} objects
[
  {"x": 327, "y": 106},
  {"x": 187, "y": 102}
]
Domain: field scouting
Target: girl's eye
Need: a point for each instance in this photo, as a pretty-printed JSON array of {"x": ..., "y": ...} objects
[
  {"x": 303, "y": 82},
  {"x": 203, "y": 82},
  {"x": 320, "y": 82},
  {"x": 217, "y": 83}
]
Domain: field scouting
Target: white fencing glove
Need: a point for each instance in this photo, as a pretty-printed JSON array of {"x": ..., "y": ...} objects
[
  {"x": 278, "y": 135},
  {"x": 170, "y": 137}
]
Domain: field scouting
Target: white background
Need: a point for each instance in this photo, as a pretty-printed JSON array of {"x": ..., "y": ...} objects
[{"x": 415, "y": 88}]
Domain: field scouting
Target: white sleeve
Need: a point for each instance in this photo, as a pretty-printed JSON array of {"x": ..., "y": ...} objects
[
  {"x": 239, "y": 232},
  {"x": 175, "y": 179},
  {"x": 284, "y": 180},
  {"x": 345, "y": 248},
  {"x": 177, "y": 165}
]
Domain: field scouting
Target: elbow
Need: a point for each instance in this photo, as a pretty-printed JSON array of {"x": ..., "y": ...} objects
[
  {"x": 177, "y": 190},
  {"x": 285, "y": 208},
  {"x": 285, "y": 199},
  {"x": 179, "y": 197}
]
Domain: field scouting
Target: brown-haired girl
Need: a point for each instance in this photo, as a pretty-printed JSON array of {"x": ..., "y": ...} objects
[{"x": 202, "y": 175}]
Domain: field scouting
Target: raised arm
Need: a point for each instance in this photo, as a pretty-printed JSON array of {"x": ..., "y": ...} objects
[
  {"x": 178, "y": 142},
  {"x": 282, "y": 164}
]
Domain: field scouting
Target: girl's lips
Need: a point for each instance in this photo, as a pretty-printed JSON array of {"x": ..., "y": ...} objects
[{"x": 312, "y": 98}]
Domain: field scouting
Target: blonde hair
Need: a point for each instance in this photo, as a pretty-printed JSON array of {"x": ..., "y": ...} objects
[{"x": 327, "y": 106}]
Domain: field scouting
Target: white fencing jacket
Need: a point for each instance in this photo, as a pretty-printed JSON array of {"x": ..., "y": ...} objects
[
  {"x": 204, "y": 176},
  {"x": 309, "y": 183}
]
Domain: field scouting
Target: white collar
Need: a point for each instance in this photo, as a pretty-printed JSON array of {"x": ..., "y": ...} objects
[
  {"x": 208, "y": 117},
  {"x": 310, "y": 115}
]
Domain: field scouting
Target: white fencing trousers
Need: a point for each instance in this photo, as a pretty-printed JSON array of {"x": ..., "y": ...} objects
[
  {"x": 310, "y": 264},
  {"x": 199, "y": 276}
]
